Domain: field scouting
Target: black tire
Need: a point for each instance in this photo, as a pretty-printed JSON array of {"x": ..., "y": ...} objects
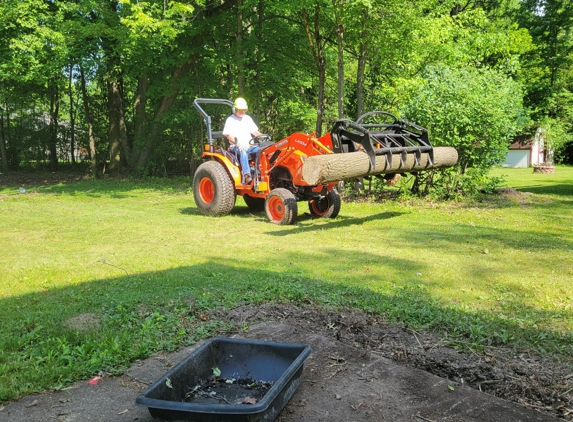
[
  {"x": 327, "y": 206},
  {"x": 254, "y": 204},
  {"x": 281, "y": 207},
  {"x": 213, "y": 189}
]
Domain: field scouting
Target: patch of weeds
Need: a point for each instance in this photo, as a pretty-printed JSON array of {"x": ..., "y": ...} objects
[{"x": 47, "y": 356}]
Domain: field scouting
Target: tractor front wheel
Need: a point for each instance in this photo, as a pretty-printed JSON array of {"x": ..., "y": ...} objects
[
  {"x": 213, "y": 189},
  {"x": 326, "y": 206},
  {"x": 281, "y": 207}
]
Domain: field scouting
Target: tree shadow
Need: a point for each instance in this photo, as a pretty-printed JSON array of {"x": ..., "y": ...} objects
[
  {"x": 141, "y": 299},
  {"x": 115, "y": 186},
  {"x": 326, "y": 224},
  {"x": 555, "y": 189}
]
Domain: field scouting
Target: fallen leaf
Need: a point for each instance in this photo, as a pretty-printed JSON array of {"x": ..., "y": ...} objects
[
  {"x": 34, "y": 403},
  {"x": 451, "y": 388},
  {"x": 216, "y": 371},
  {"x": 168, "y": 383},
  {"x": 249, "y": 400},
  {"x": 204, "y": 317},
  {"x": 125, "y": 411}
]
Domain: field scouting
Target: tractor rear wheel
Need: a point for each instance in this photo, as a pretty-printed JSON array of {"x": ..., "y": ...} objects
[
  {"x": 281, "y": 207},
  {"x": 213, "y": 189},
  {"x": 327, "y": 206},
  {"x": 254, "y": 204}
]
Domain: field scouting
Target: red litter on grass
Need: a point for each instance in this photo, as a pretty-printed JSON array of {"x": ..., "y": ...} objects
[{"x": 95, "y": 380}]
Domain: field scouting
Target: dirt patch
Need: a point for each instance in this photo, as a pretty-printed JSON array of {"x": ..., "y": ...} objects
[
  {"x": 523, "y": 378},
  {"x": 84, "y": 322},
  {"x": 361, "y": 369},
  {"x": 25, "y": 179}
]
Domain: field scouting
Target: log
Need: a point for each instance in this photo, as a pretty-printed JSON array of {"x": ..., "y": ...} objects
[{"x": 321, "y": 169}]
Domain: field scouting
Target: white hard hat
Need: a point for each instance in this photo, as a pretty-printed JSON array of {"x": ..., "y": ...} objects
[{"x": 241, "y": 104}]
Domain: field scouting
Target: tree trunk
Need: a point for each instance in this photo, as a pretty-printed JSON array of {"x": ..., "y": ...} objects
[
  {"x": 361, "y": 71},
  {"x": 72, "y": 117},
  {"x": 340, "y": 38},
  {"x": 259, "y": 34},
  {"x": 3, "y": 152},
  {"x": 166, "y": 102},
  {"x": 91, "y": 137},
  {"x": 328, "y": 168},
  {"x": 139, "y": 118},
  {"x": 315, "y": 41},
  {"x": 240, "y": 54},
  {"x": 117, "y": 129},
  {"x": 54, "y": 112}
]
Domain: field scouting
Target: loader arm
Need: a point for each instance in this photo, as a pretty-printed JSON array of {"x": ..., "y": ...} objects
[{"x": 398, "y": 137}]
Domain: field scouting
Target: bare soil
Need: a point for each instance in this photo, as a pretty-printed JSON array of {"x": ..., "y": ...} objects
[
  {"x": 362, "y": 368},
  {"x": 36, "y": 178},
  {"x": 522, "y": 377}
]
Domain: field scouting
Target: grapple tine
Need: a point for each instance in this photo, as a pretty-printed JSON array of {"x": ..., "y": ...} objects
[
  {"x": 399, "y": 137},
  {"x": 389, "y": 158},
  {"x": 431, "y": 157},
  {"x": 403, "y": 158},
  {"x": 417, "y": 157}
]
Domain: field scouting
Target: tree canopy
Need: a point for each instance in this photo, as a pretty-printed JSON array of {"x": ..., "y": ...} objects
[{"x": 114, "y": 81}]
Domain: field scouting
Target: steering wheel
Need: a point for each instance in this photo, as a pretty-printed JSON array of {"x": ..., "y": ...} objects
[{"x": 255, "y": 140}]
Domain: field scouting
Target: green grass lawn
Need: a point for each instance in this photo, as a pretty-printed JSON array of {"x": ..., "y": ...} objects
[{"x": 137, "y": 259}]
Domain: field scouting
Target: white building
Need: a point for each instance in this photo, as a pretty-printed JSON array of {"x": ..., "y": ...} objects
[{"x": 528, "y": 151}]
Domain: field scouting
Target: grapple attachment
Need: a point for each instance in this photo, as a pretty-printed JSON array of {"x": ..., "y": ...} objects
[{"x": 398, "y": 137}]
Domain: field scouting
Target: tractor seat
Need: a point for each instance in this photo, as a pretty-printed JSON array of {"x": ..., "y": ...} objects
[
  {"x": 225, "y": 147},
  {"x": 218, "y": 135}
]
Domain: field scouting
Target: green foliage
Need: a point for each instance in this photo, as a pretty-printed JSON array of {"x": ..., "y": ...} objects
[
  {"x": 450, "y": 184},
  {"x": 162, "y": 55},
  {"x": 32, "y": 47},
  {"x": 476, "y": 111},
  {"x": 547, "y": 69}
]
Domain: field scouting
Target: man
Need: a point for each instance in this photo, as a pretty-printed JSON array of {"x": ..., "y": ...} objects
[{"x": 239, "y": 130}]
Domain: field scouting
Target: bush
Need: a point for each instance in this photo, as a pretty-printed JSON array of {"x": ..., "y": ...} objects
[{"x": 476, "y": 111}]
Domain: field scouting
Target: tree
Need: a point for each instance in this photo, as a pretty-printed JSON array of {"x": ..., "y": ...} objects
[
  {"x": 548, "y": 69},
  {"x": 476, "y": 111},
  {"x": 32, "y": 55}
]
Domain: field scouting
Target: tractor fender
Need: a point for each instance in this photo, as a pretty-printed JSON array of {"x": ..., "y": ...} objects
[{"x": 232, "y": 169}]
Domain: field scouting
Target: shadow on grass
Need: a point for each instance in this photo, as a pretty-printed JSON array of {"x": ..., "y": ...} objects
[
  {"x": 242, "y": 211},
  {"x": 76, "y": 184},
  {"x": 326, "y": 224},
  {"x": 461, "y": 237},
  {"x": 550, "y": 189},
  {"x": 146, "y": 312}
]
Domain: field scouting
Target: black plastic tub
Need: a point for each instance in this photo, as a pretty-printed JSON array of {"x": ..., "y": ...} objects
[{"x": 278, "y": 363}]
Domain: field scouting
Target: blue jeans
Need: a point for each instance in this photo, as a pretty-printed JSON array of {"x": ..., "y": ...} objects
[{"x": 244, "y": 158}]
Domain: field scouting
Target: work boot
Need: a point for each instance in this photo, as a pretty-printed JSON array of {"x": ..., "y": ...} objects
[{"x": 247, "y": 179}]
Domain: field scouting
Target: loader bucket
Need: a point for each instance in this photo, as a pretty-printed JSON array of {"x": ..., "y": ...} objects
[{"x": 398, "y": 137}]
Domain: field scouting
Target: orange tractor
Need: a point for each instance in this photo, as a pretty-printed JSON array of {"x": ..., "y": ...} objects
[{"x": 277, "y": 184}]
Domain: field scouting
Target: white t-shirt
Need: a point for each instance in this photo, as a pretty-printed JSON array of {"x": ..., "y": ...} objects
[{"x": 241, "y": 129}]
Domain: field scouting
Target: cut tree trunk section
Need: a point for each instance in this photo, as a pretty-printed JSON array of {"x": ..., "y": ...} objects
[{"x": 321, "y": 169}]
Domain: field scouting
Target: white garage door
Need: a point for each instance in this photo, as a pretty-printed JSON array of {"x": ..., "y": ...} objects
[{"x": 517, "y": 159}]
